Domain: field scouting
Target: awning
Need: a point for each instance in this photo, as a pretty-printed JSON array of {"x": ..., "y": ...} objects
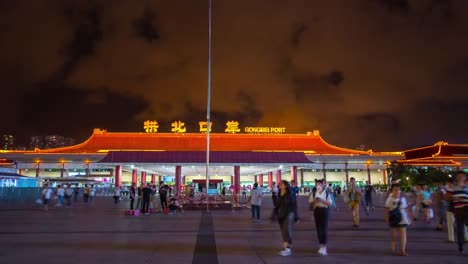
[{"x": 194, "y": 157}]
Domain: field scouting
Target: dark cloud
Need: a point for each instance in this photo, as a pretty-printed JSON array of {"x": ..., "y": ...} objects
[
  {"x": 297, "y": 34},
  {"x": 85, "y": 23},
  {"x": 402, "y": 7},
  {"x": 145, "y": 26}
]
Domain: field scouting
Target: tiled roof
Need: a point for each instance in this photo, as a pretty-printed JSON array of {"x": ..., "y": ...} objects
[{"x": 103, "y": 141}]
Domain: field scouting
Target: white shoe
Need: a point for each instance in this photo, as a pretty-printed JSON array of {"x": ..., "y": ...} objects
[
  {"x": 320, "y": 250},
  {"x": 285, "y": 252},
  {"x": 323, "y": 251}
]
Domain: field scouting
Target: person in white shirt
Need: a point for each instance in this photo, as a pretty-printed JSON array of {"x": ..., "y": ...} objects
[
  {"x": 274, "y": 193},
  {"x": 46, "y": 195},
  {"x": 396, "y": 216},
  {"x": 61, "y": 195},
  {"x": 320, "y": 201},
  {"x": 117, "y": 191},
  {"x": 256, "y": 202},
  {"x": 92, "y": 193}
]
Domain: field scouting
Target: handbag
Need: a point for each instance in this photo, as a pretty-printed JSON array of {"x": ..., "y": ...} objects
[{"x": 394, "y": 215}]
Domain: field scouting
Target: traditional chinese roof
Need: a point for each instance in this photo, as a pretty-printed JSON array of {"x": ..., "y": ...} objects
[
  {"x": 439, "y": 154},
  {"x": 102, "y": 141},
  {"x": 216, "y": 157}
]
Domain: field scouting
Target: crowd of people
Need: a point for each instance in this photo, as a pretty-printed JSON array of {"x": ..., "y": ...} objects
[
  {"x": 149, "y": 198},
  {"x": 63, "y": 194},
  {"x": 450, "y": 197}
]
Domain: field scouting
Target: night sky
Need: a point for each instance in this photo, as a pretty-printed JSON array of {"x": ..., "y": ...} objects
[{"x": 390, "y": 74}]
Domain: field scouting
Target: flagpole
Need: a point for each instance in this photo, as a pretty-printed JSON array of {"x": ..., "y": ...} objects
[{"x": 208, "y": 111}]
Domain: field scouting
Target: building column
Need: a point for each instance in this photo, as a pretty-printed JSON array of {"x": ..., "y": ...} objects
[
  {"x": 346, "y": 173},
  {"x": 118, "y": 176},
  {"x": 278, "y": 176},
  {"x": 143, "y": 177},
  {"x": 384, "y": 176},
  {"x": 62, "y": 170},
  {"x": 232, "y": 180},
  {"x": 270, "y": 179},
  {"x": 184, "y": 180},
  {"x": 302, "y": 177},
  {"x": 294, "y": 174},
  {"x": 135, "y": 177},
  {"x": 87, "y": 170},
  {"x": 37, "y": 169},
  {"x": 260, "y": 180},
  {"x": 178, "y": 179},
  {"x": 236, "y": 179},
  {"x": 255, "y": 178},
  {"x": 324, "y": 171},
  {"x": 153, "y": 179},
  {"x": 368, "y": 174},
  {"x": 159, "y": 179}
]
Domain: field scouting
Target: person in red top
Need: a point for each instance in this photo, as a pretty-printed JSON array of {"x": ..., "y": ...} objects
[{"x": 458, "y": 198}]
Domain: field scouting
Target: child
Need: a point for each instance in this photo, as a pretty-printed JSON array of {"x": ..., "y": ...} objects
[
  {"x": 174, "y": 205},
  {"x": 397, "y": 217}
]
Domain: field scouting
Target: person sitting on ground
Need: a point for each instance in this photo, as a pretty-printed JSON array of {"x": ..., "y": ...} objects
[{"x": 173, "y": 205}]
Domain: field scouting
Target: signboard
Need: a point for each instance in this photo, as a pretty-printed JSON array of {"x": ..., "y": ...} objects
[{"x": 232, "y": 127}]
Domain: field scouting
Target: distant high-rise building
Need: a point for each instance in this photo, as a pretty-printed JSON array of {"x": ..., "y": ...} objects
[
  {"x": 69, "y": 141},
  {"x": 36, "y": 142},
  {"x": 54, "y": 141},
  {"x": 57, "y": 141},
  {"x": 7, "y": 142},
  {"x": 361, "y": 147}
]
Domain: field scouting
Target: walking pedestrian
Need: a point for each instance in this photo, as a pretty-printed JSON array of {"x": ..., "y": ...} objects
[
  {"x": 146, "y": 191},
  {"x": 163, "y": 195},
  {"x": 459, "y": 199},
  {"x": 284, "y": 211},
  {"x": 60, "y": 195},
  {"x": 68, "y": 194},
  {"x": 256, "y": 201},
  {"x": 426, "y": 202},
  {"x": 46, "y": 196},
  {"x": 274, "y": 193},
  {"x": 86, "y": 193},
  {"x": 294, "y": 193},
  {"x": 396, "y": 216},
  {"x": 117, "y": 192},
  {"x": 140, "y": 194},
  {"x": 76, "y": 192},
  {"x": 368, "y": 190},
  {"x": 442, "y": 204},
  {"x": 92, "y": 193},
  {"x": 450, "y": 184},
  {"x": 320, "y": 202},
  {"x": 354, "y": 194},
  {"x": 132, "y": 195}
]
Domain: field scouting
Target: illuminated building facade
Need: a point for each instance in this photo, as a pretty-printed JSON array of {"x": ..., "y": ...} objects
[
  {"x": 236, "y": 159},
  {"x": 7, "y": 142}
]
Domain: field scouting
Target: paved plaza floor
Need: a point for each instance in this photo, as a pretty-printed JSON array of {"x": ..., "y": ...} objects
[{"x": 100, "y": 233}]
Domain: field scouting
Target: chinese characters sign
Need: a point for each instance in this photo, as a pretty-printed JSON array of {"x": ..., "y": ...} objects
[
  {"x": 150, "y": 126},
  {"x": 232, "y": 127}
]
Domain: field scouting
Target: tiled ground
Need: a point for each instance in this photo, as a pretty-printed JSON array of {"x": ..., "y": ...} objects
[{"x": 102, "y": 234}]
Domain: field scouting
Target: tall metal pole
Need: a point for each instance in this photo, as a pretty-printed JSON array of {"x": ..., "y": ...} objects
[{"x": 208, "y": 111}]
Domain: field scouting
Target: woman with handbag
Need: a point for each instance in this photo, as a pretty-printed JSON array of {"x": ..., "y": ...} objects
[
  {"x": 284, "y": 212},
  {"x": 397, "y": 217}
]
